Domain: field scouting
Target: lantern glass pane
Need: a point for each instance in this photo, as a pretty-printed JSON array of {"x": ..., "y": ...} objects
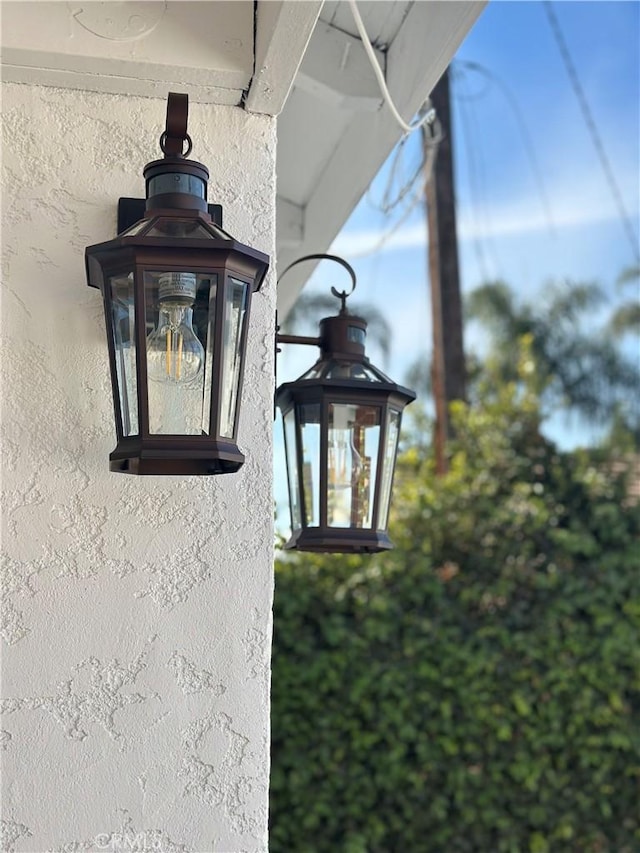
[
  {"x": 334, "y": 369},
  {"x": 388, "y": 462},
  {"x": 180, "y": 314},
  {"x": 292, "y": 468},
  {"x": 309, "y": 417},
  {"x": 235, "y": 312},
  {"x": 123, "y": 323},
  {"x": 188, "y": 229},
  {"x": 354, "y": 437},
  {"x": 204, "y": 319},
  {"x": 135, "y": 229}
]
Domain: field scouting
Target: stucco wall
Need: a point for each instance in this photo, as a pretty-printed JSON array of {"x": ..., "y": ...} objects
[{"x": 136, "y": 620}]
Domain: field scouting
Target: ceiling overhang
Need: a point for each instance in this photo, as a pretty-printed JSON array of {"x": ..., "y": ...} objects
[
  {"x": 145, "y": 48},
  {"x": 300, "y": 60},
  {"x": 334, "y": 133}
]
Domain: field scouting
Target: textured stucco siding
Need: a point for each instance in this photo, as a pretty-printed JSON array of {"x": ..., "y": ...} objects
[{"x": 136, "y": 612}]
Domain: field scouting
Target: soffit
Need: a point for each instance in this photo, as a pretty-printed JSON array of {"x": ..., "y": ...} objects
[
  {"x": 382, "y": 19},
  {"x": 334, "y": 132},
  {"x": 209, "y": 48}
]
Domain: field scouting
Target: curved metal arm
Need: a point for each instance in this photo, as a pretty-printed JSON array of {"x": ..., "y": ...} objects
[{"x": 342, "y": 295}]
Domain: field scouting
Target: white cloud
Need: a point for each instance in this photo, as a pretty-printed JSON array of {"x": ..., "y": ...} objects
[{"x": 587, "y": 205}]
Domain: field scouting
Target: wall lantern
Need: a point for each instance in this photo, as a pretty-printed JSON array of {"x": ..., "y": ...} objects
[
  {"x": 177, "y": 293},
  {"x": 341, "y": 426}
]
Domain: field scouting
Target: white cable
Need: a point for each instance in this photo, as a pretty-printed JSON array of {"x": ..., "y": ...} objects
[
  {"x": 413, "y": 203},
  {"x": 429, "y": 115}
]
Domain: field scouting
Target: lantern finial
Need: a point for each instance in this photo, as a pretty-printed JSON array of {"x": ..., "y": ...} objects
[{"x": 342, "y": 295}]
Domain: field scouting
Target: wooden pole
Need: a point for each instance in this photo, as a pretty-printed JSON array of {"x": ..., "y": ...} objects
[{"x": 448, "y": 367}]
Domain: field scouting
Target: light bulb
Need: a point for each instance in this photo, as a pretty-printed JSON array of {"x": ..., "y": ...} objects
[
  {"x": 345, "y": 464},
  {"x": 174, "y": 353},
  {"x": 348, "y": 480}
]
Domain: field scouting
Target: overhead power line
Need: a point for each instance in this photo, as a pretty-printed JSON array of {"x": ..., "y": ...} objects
[
  {"x": 592, "y": 127},
  {"x": 527, "y": 141},
  {"x": 411, "y": 192}
]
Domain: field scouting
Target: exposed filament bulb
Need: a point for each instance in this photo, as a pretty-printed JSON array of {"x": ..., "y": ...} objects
[
  {"x": 346, "y": 467},
  {"x": 174, "y": 353}
]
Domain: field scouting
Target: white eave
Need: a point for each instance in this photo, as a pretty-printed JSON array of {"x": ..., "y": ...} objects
[
  {"x": 334, "y": 133},
  {"x": 298, "y": 59},
  {"x": 220, "y": 51}
]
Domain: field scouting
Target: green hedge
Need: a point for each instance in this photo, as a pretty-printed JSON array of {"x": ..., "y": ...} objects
[{"x": 475, "y": 689}]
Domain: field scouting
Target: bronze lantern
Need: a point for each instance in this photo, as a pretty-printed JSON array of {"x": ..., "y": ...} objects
[
  {"x": 341, "y": 427},
  {"x": 177, "y": 295}
]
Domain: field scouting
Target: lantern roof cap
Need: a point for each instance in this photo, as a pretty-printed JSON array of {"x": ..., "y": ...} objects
[
  {"x": 189, "y": 231},
  {"x": 333, "y": 368},
  {"x": 330, "y": 380}
]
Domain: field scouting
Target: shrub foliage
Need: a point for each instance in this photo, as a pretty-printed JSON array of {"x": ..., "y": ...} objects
[{"x": 475, "y": 689}]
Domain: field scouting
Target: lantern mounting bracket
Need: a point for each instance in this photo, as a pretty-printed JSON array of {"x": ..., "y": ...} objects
[
  {"x": 297, "y": 339},
  {"x": 342, "y": 295},
  {"x": 341, "y": 335},
  {"x": 175, "y": 130}
]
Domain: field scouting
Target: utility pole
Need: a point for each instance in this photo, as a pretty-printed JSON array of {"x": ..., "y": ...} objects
[{"x": 448, "y": 366}]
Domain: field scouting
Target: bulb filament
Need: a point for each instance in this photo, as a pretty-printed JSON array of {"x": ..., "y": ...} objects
[{"x": 174, "y": 353}]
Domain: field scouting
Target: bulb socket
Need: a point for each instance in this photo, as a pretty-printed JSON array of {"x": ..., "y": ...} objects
[{"x": 177, "y": 287}]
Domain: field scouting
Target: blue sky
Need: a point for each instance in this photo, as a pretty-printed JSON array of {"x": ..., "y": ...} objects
[{"x": 513, "y": 225}]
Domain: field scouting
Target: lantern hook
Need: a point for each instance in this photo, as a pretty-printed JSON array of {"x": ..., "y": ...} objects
[
  {"x": 175, "y": 131},
  {"x": 340, "y": 294},
  {"x": 343, "y": 295}
]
